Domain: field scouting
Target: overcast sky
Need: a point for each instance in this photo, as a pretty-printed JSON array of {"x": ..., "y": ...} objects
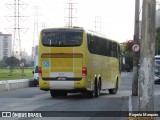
[{"x": 117, "y": 17}]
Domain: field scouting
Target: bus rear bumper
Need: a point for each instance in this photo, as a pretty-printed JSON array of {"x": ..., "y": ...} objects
[{"x": 63, "y": 84}]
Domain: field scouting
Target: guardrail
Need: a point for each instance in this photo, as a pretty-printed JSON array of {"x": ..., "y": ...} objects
[{"x": 6, "y": 85}]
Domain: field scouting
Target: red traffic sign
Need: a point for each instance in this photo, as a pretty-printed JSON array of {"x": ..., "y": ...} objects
[{"x": 21, "y": 64}]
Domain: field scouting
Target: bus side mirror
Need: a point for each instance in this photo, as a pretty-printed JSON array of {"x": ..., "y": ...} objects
[{"x": 32, "y": 72}]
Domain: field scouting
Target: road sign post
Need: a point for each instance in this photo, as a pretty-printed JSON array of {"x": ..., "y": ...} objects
[
  {"x": 136, "y": 54},
  {"x": 22, "y": 69}
]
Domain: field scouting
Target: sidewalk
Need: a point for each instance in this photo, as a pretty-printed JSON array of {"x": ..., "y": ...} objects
[
  {"x": 133, "y": 101},
  {"x": 6, "y": 85}
]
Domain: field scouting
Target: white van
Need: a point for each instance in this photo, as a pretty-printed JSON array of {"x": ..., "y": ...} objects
[{"x": 35, "y": 78}]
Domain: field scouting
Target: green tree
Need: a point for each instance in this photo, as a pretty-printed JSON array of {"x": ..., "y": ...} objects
[
  {"x": 12, "y": 62},
  {"x": 128, "y": 55},
  {"x": 3, "y": 64},
  {"x": 157, "y": 41}
]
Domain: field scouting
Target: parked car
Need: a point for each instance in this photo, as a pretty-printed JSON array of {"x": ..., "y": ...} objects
[
  {"x": 35, "y": 78},
  {"x": 157, "y": 76},
  {"x": 157, "y": 62},
  {"x": 156, "y": 72}
]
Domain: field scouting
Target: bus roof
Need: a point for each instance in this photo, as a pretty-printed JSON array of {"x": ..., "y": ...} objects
[
  {"x": 100, "y": 35},
  {"x": 81, "y": 29}
]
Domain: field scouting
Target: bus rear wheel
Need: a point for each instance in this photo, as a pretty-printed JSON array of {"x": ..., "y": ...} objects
[
  {"x": 90, "y": 94},
  {"x": 114, "y": 90},
  {"x": 96, "y": 90},
  {"x": 53, "y": 93}
]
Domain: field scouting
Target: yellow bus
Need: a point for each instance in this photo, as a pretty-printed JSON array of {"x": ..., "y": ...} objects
[{"x": 76, "y": 60}]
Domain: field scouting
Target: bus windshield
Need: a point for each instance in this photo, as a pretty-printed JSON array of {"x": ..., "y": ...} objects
[{"x": 61, "y": 38}]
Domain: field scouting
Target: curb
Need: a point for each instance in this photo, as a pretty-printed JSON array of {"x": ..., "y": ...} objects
[{"x": 7, "y": 85}]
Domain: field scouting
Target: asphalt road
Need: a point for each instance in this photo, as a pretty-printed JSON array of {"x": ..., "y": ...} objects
[{"x": 76, "y": 106}]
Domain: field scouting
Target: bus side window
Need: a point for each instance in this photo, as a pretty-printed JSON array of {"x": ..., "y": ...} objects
[
  {"x": 110, "y": 48},
  {"x": 114, "y": 50},
  {"x": 106, "y": 48},
  {"x": 90, "y": 41}
]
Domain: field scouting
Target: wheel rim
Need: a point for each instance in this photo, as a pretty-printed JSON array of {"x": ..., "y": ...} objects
[{"x": 98, "y": 88}]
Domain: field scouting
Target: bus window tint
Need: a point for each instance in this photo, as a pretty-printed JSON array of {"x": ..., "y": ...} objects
[
  {"x": 114, "y": 50},
  {"x": 101, "y": 46},
  {"x": 61, "y": 39}
]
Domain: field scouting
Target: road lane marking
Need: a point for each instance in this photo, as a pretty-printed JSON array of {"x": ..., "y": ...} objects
[{"x": 130, "y": 104}]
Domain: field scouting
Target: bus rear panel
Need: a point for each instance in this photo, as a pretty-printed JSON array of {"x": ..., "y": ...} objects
[{"x": 74, "y": 60}]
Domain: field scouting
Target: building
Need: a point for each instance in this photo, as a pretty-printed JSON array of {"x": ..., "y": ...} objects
[
  {"x": 5, "y": 45},
  {"x": 26, "y": 57}
]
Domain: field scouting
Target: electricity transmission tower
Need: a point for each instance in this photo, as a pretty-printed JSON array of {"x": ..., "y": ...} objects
[
  {"x": 70, "y": 15},
  {"x": 98, "y": 24},
  {"x": 35, "y": 33},
  {"x": 17, "y": 5}
]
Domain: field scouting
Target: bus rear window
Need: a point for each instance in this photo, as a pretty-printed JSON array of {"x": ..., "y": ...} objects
[{"x": 61, "y": 38}]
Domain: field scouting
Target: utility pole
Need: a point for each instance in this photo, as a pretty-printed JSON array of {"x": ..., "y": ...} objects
[
  {"x": 136, "y": 54},
  {"x": 147, "y": 53}
]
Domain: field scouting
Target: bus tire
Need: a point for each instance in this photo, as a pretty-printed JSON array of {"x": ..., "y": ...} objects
[
  {"x": 91, "y": 94},
  {"x": 63, "y": 93},
  {"x": 97, "y": 88},
  {"x": 114, "y": 90},
  {"x": 54, "y": 93}
]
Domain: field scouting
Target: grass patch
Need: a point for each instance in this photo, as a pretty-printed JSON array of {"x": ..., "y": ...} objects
[{"x": 17, "y": 74}]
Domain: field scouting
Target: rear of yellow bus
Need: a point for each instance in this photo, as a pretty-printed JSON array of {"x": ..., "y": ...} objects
[{"x": 61, "y": 60}]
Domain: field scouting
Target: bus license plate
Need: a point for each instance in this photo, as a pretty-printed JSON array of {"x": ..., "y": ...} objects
[{"x": 61, "y": 78}]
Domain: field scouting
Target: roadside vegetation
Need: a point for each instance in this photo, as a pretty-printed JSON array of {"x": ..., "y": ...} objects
[
  {"x": 16, "y": 74},
  {"x": 127, "y": 53},
  {"x": 10, "y": 69}
]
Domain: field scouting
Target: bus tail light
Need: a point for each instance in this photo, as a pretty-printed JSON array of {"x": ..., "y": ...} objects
[
  {"x": 40, "y": 71},
  {"x": 84, "y": 72}
]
